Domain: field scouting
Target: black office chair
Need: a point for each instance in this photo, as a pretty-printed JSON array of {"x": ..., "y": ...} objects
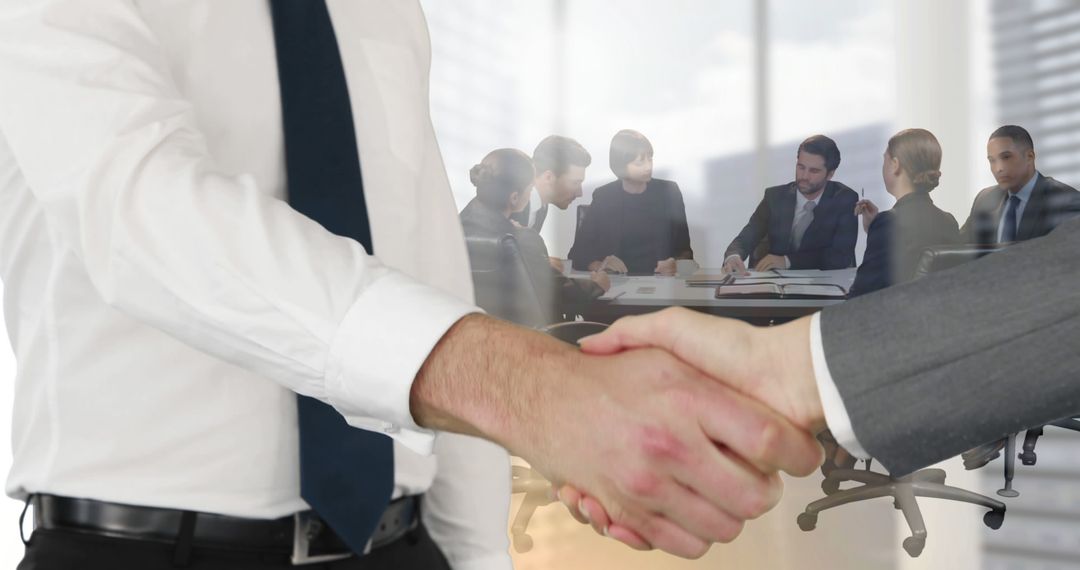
[
  {"x": 839, "y": 466},
  {"x": 505, "y": 290},
  {"x": 502, "y": 282}
]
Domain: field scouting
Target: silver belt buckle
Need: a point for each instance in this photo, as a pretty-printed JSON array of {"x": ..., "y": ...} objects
[{"x": 305, "y": 528}]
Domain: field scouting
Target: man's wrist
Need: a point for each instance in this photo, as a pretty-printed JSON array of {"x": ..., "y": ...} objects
[
  {"x": 490, "y": 379},
  {"x": 788, "y": 364}
]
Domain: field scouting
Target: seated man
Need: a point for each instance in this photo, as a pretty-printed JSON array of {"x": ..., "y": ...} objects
[
  {"x": 808, "y": 223},
  {"x": 1024, "y": 204}
]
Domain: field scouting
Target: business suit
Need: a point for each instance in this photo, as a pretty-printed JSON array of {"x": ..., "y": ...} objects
[
  {"x": 897, "y": 238},
  {"x": 522, "y": 217},
  {"x": 937, "y": 366},
  {"x": 560, "y": 295},
  {"x": 829, "y": 241},
  {"x": 620, "y": 223},
  {"x": 1051, "y": 203}
]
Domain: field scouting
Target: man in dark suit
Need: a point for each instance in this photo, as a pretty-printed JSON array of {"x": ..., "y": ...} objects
[
  {"x": 807, "y": 224},
  {"x": 1024, "y": 204}
]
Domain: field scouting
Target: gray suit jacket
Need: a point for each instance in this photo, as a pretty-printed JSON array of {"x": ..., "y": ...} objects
[{"x": 931, "y": 368}]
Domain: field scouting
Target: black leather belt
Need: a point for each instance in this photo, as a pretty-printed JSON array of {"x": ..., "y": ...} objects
[{"x": 304, "y": 536}]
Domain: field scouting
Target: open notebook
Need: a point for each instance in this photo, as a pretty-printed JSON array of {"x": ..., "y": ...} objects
[{"x": 766, "y": 290}]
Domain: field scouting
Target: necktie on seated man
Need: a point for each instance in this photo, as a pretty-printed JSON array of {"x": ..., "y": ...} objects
[
  {"x": 346, "y": 474},
  {"x": 1008, "y": 233},
  {"x": 802, "y": 224}
]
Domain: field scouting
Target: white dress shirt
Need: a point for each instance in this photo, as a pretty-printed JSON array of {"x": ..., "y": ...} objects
[
  {"x": 164, "y": 303},
  {"x": 836, "y": 414}
]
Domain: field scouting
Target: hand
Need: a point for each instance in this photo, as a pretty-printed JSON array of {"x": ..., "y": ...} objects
[
  {"x": 770, "y": 365},
  {"x": 679, "y": 458},
  {"x": 771, "y": 262},
  {"x": 734, "y": 264},
  {"x": 557, "y": 264},
  {"x": 601, "y": 279},
  {"x": 665, "y": 466},
  {"x": 666, "y": 267},
  {"x": 613, "y": 264},
  {"x": 868, "y": 210}
]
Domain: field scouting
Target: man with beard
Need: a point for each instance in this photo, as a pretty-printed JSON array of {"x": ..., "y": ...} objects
[{"x": 805, "y": 224}]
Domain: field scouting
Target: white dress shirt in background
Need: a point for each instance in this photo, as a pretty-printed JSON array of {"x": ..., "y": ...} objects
[{"x": 164, "y": 302}]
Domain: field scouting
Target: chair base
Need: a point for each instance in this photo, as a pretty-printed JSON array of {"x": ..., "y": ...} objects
[{"x": 903, "y": 490}]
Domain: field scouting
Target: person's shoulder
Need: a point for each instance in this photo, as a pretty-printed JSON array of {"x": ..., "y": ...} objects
[
  {"x": 607, "y": 191},
  {"x": 669, "y": 187},
  {"x": 988, "y": 193},
  {"x": 1056, "y": 186},
  {"x": 843, "y": 192},
  {"x": 777, "y": 192}
]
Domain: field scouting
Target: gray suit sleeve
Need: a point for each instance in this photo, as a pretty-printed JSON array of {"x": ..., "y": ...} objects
[{"x": 934, "y": 367}]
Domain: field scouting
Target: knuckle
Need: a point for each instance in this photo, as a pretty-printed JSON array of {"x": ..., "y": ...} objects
[
  {"x": 642, "y": 484},
  {"x": 730, "y": 533},
  {"x": 659, "y": 445}
]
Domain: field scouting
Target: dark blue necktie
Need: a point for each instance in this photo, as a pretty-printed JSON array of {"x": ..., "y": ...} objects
[
  {"x": 1008, "y": 233},
  {"x": 346, "y": 474}
]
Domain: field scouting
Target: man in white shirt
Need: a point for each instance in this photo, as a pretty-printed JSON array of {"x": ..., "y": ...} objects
[
  {"x": 909, "y": 376},
  {"x": 166, "y": 306}
]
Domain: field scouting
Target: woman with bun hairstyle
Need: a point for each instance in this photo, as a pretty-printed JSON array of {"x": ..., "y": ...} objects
[
  {"x": 896, "y": 239},
  {"x": 636, "y": 224},
  {"x": 503, "y": 182}
]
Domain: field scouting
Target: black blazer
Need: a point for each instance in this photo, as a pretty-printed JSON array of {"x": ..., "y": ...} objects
[
  {"x": 829, "y": 242},
  {"x": 1051, "y": 203},
  {"x": 603, "y": 229},
  {"x": 896, "y": 239},
  {"x": 561, "y": 296}
]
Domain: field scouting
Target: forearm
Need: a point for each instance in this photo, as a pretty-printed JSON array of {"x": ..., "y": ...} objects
[{"x": 482, "y": 380}]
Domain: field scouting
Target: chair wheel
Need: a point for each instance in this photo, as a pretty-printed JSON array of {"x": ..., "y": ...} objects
[
  {"x": 523, "y": 543},
  {"x": 994, "y": 519},
  {"x": 830, "y": 486},
  {"x": 1027, "y": 458},
  {"x": 914, "y": 545},
  {"x": 807, "y": 521}
]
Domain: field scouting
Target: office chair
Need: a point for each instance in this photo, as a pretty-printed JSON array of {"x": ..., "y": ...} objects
[
  {"x": 505, "y": 290},
  {"x": 839, "y": 466},
  {"x": 502, "y": 282}
]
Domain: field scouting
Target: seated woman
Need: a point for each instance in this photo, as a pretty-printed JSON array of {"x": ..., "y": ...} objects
[
  {"x": 636, "y": 224},
  {"x": 503, "y": 183},
  {"x": 896, "y": 239}
]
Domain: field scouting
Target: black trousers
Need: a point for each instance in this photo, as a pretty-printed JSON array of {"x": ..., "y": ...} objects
[{"x": 64, "y": 550}]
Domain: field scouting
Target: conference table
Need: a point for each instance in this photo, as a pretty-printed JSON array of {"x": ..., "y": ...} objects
[{"x": 638, "y": 295}]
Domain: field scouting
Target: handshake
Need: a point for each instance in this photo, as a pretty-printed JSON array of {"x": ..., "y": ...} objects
[{"x": 669, "y": 430}]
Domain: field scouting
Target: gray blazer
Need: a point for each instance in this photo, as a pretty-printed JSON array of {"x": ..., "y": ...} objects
[{"x": 934, "y": 367}]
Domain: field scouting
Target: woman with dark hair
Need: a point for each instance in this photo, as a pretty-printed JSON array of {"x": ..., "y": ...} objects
[
  {"x": 503, "y": 182},
  {"x": 897, "y": 238},
  {"x": 636, "y": 224}
]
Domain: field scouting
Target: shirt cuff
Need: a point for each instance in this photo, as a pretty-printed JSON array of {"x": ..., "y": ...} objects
[
  {"x": 836, "y": 415},
  {"x": 787, "y": 262},
  {"x": 498, "y": 561},
  {"x": 379, "y": 348}
]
